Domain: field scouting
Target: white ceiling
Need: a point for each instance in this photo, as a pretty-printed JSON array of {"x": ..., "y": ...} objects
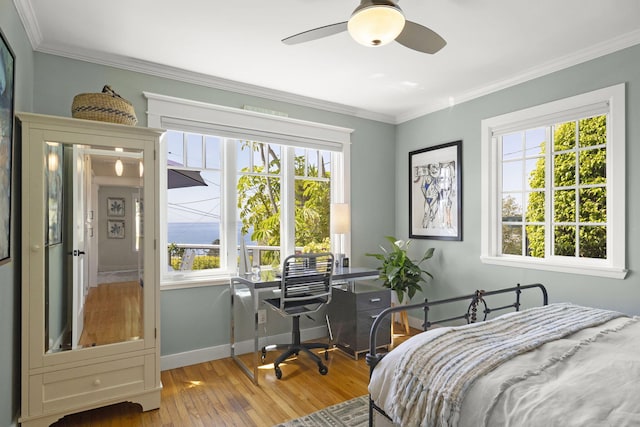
[{"x": 235, "y": 44}]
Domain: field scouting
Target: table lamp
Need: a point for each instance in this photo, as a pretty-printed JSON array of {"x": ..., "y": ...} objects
[{"x": 340, "y": 225}]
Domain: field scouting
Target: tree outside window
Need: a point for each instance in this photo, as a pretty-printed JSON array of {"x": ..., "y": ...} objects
[
  {"x": 578, "y": 192},
  {"x": 259, "y": 198}
]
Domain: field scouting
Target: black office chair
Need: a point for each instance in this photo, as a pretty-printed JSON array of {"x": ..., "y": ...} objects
[{"x": 304, "y": 289}]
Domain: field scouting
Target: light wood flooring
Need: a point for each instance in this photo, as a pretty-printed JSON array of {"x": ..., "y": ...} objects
[
  {"x": 218, "y": 393},
  {"x": 112, "y": 313}
]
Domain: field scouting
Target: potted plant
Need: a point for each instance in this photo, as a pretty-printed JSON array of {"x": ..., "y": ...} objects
[{"x": 398, "y": 271}]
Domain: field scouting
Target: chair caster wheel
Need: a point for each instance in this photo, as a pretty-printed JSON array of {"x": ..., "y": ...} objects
[
  {"x": 323, "y": 369},
  {"x": 278, "y": 372},
  {"x": 326, "y": 355},
  {"x": 263, "y": 355}
]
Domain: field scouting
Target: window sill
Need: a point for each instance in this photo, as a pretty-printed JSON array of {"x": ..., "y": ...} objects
[
  {"x": 184, "y": 282},
  {"x": 587, "y": 270}
]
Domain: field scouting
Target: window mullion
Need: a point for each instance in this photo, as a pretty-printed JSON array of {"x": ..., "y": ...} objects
[
  {"x": 229, "y": 244},
  {"x": 203, "y": 151},
  {"x": 185, "y": 149},
  {"x": 523, "y": 186},
  {"x": 287, "y": 203},
  {"x": 548, "y": 197}
]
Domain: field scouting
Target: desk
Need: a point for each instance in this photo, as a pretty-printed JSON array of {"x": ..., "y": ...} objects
[{"x": 245, "y": 300}]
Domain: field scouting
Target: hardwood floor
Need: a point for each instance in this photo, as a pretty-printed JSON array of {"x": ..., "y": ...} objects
[
  {"x": 218, "y": 393},
  {"x": 112, "y": 313}
]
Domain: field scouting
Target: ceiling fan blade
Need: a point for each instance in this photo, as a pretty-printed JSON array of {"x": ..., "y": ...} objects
[
  {"x": 316, "y": 33},
  {"x": 416, "y": 37}
]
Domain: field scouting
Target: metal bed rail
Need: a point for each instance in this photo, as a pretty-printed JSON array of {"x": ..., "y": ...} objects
[{"x": 476, "y": 300}]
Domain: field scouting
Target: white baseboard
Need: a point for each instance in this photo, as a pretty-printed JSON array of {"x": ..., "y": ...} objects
[
  {"x": 416, "y": 322},
  {"x": 201, "y": 355}
]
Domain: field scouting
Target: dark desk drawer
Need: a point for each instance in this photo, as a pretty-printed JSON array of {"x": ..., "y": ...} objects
[
  {"x": 364, "y": 321},
  {"x": 373, "y": 300}
]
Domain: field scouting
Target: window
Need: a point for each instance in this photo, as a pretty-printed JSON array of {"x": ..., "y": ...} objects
[
  {"x": 553, "y": 186},
  {"x": 193, "y": 201},
  {"x": 312, "y": 207},
  {"x": 262, "y": 198},
  {"x": 237, "y": 178}
]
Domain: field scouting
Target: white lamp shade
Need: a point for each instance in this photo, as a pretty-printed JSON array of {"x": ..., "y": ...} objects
[
  {"x": 376, "y": 25},
  {"x": 340, "y": 218}
]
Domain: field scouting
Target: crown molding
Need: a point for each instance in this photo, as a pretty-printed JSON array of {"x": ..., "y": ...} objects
[
  {"x": 29, "y": 22},
  {"x": 601, "y": 49},
  {"x": 173, "y": 73}
]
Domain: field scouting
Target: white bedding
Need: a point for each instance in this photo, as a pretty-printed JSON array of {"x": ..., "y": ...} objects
[{"x": 591, "y": 377}]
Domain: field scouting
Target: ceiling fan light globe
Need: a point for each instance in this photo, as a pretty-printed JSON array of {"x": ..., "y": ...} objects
[{"x": 376, "y": 25}]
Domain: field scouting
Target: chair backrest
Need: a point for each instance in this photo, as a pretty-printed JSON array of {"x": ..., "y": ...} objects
[{"x": 306, "y": 282}]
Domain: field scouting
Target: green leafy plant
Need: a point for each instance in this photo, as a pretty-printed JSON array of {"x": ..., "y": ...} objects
[
  {"x": 398, "y": 271},
  {"x": 311, "y": 247}
]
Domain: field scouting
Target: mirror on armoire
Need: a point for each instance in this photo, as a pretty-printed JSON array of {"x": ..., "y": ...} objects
[{"x": 93, "y": 238}]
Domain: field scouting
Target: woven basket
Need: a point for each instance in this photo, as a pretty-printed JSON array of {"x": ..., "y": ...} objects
[{"x": 107, "y": 106}]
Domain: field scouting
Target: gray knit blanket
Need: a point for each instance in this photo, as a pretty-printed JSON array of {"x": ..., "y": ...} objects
[{"x": 432, "y": 379}]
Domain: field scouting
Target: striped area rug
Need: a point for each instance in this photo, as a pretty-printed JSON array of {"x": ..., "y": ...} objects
[{"x": 352, "y": 413}]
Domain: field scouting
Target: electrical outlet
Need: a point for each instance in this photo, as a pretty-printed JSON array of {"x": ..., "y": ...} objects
[{"x": 262, "y": 316}]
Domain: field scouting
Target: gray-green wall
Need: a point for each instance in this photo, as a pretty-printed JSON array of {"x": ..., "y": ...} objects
[
  {"x": 198, "y": 318},
  {"x": 10, "y": 272},
  {"x": 457, "y": 266}
]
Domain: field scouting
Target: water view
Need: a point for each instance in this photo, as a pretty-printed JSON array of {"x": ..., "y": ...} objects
[{"x": 197, "y": 232}]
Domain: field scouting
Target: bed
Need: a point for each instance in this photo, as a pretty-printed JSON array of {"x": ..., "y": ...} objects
[{"x": 548, "y": 365}]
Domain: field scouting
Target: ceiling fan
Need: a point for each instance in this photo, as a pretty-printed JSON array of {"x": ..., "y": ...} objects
[{"x": 376, "y": 23}]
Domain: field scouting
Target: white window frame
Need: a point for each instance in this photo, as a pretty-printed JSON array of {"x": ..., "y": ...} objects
[
  {"x": 611, "y": 100},
  {"x": 166, "y": 112}
]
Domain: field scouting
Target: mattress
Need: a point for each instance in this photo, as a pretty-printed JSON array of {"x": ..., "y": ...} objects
[{"x": 590, "y": 377}]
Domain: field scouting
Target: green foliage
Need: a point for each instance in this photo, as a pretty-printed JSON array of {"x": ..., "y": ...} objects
[
  {"x": 204, "y": 262},
  {"x": 591, "y": 169},
  {"x": 201, "y": 262},
  {"x": 398, "y": 271},
  {"x": 211, "y": 260},
  {"x": 511, "y": 241},
  {"x": 259, "y": 204},
  {"x": 175, "y": 251},
  {"x": 311, "y": 211},
  {"x": 317, "y": 247}
]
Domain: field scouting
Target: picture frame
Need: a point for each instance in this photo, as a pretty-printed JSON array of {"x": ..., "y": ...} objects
[
  {"x": 115, "y": 207},
  {"x": 435, "y": 192},
  {"x": 54, "y": 187},
  {"x": 7, "y": 110},
  {"x": 115, "y": 229}
]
